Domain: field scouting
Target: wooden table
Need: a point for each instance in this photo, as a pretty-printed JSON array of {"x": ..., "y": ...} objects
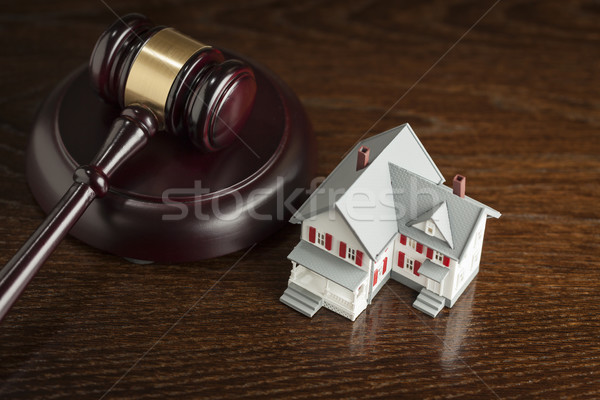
[{"x": 512, "y": 102}]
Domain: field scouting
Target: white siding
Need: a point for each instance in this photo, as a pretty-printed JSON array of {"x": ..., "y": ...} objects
[
  {"x": 470, "y": 259},
  {"x": 388, "y": 253},
  {"x": 333, "y": 223},
  {"x": 409, "y": 253}
]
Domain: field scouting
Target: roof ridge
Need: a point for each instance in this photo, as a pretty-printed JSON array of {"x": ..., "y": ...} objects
[{"x": 469, "y": 199}]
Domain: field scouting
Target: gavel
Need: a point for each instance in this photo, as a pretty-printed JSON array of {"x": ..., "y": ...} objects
[{"x": 163, "y": 81}]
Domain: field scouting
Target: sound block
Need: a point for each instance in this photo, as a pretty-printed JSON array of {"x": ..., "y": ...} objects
[{"x": 172, "y": 203}]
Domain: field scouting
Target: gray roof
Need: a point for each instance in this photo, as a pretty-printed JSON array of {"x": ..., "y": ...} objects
[
  {"x": 373, "y": 226},
  {"x": 328, "y": 265},
  {"x": 376, "y": 210},
  {"x": 463, "y": 213},
  {"x": 433, "y": 271}
]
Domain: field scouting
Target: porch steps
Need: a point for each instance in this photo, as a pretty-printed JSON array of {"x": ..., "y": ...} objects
[
  {"x": 301, "y": 300},
  {"x": 429, "y": 303}
]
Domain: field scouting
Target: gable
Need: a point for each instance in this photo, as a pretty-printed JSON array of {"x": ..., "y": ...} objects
[
  {"x": 423, "y": 196},
  {"x": 437, "y": 219},
  {"x": 333, "y": 222},
  {"x": 399, "y": 145}
]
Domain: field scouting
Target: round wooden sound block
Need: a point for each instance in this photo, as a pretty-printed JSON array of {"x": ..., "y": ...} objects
[{"x": 172, "y": 203}]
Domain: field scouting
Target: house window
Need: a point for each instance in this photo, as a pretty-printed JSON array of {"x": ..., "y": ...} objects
[
  {"x": 430, "y": 228},
  {"x": 351, "y": 254},
  {"x": 439, "y": 257},
  {"x": 321, "y": 239},
  {"x": 410, "y": 264},
  {"x": 412, "y": 243}
]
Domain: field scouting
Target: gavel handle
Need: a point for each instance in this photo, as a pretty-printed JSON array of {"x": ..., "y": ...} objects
[
  {"x": 21, "y": 269},
  {"x": 128, "y": 134}
]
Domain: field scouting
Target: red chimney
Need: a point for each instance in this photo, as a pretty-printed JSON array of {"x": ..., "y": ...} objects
[
  {"x": 363, "y": 158},
  {"x": 459, "y": 185}
]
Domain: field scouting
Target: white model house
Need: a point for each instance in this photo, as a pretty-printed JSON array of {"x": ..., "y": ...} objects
[{"x": 384, "y": 213}]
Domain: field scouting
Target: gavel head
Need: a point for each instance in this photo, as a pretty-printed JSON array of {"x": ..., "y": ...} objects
[{"x": 189, "y": 86}]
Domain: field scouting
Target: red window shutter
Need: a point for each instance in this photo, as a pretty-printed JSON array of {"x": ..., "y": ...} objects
[
  {"x": 420, "y": 248},
  {"x": 446, "y": 261},
  {"x": 312, "y": 234},
  {"x": 403, "y": 239},
  {"x": 328, "y": 240},
  {"x": 429, "y": 253},
  {"x": 384, "y": 266},
  {"x": 401, "y": 259},
  {"x": 416, "y": 268},
  {"x": 342, "y": 249},
  {"x": 359, "y": 256},
  {"x": 375, "y": 277}
]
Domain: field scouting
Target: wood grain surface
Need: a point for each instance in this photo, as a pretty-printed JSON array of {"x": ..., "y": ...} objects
[{"x": 513, "y": 104}]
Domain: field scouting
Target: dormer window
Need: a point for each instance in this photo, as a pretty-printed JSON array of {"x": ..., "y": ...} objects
[
  {"x": 435, "y": 222},
  {"x": 430, "y": 228}
]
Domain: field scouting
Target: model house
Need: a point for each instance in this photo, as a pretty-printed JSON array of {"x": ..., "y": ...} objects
[{"x": 384, "y": 213}]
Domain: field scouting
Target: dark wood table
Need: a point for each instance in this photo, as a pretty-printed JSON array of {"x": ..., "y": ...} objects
[{"x": 512, "y": 102}]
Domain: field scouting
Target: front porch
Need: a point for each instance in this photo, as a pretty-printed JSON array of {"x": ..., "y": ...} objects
[{"x": 341, "y": 286}]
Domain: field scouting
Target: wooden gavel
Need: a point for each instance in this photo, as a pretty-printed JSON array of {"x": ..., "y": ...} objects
[{"x": 163, "y": 80}]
